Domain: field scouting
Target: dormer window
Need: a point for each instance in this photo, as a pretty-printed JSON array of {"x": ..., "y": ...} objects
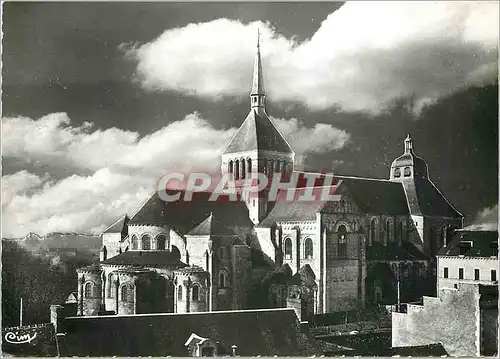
[
  {"x": 397, "y": 172},
  {"x": 465, "y": 247},
  {"x": 407, "y": 172}
]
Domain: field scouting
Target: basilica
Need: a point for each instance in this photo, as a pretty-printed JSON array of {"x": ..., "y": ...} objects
[{"x": 374, "y": 243}]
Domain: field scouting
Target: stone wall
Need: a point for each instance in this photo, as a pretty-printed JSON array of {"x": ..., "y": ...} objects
[{"x": 452, "y": 319}]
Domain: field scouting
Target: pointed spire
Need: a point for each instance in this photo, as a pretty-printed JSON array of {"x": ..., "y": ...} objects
[
  {"x": 408, "y": 144},
  {"x": 257, "y": 94}
]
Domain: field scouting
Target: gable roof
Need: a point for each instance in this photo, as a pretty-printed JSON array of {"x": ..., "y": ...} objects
[
  {"x": 425, "y": 199},
  {"x": 483, "y": 244},
  {"x": 160, "y": 259},
  {"x": 214, "y": 225},
  {"x": 376, "y": 196},
  {"x": 265, "y": 332},
  {"x": 258, "y": 133},
  {"x": 118, "y": 225},
  {"x": 183, "y": 216}
]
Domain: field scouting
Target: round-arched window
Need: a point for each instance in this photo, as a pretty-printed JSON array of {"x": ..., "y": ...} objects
[
  {"x": 126, "y": 293},
  {"x": 308, "y": 248},
  {"x": 146, "y": 242},
  {"x": 288, "y": 248},
  {"x": 372, "y": 236},
  {"x": 397, "y": 172},
  {"x": 179, "y": 293},
  {"x": 161, "y": 242},
  {"x": 135, "y": 242},
  {"x": 88, "y": 290},
  {"x": 196, "y": 292},
  {"x": 222, "y": 279},
  {"x": 342, "y": 241},
  {"x": 407, "y": 172}
]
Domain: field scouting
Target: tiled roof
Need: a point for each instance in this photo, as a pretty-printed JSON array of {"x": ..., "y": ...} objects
[
  {"x": 483, "y": 244},
  {"x": 254, "y": 332},
  {"x": 162, "y": 259},
  {"x": 118, "y": 226},
  {"x": 429, "y": 201},
  {"x": 376, "y": 196},
  {"x": 258, "y": 133},
  {"x": 294, "y": 210},
  {"x": 183, "y": 216},
  {"x": 215, "y": 225},
  {"x": 370, "y": 195},
  {"x": 394, "y": 251}
]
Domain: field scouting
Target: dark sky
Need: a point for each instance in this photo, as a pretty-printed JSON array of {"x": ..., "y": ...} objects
[{"x": 65, "y": 57}]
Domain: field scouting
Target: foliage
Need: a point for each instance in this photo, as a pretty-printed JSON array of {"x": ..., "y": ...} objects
[{"x": 37, "y": 280}]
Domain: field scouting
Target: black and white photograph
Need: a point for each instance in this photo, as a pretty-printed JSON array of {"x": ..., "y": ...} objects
[{"x": 244, "y": 179}]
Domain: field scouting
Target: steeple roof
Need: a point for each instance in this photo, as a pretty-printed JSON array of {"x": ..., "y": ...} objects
[
  {"x": 258, "y": 131},
  {"x": 258, "y": 81}
]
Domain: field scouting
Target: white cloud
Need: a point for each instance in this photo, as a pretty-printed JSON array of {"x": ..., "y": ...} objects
[
  {"x": 486, "y": 219},
  {"x": 124, "y": 167},
  {"x": 319, "y": 139},
  {"x": 363, "y": 57}
]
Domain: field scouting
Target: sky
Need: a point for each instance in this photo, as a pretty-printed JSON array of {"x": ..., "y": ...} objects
[{"x": 99, "y": 100}]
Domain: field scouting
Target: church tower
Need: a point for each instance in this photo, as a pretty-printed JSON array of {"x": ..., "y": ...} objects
[
  {"x": 257, "y": 147},
  {"x": 430, "y": 211}
]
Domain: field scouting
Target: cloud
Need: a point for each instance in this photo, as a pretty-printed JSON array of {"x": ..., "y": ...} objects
[
  {"x": 486, "y": 219},
  {"x": 319, "y": 139},
  {"x": 356, "y": 60},
  {"x": 123, "y": 167}
]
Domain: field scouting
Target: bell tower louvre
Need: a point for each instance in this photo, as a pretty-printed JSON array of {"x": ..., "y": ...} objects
[{"x": 258, "y": 146}]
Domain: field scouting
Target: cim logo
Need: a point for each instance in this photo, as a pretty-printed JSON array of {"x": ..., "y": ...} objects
[{"x": 16, "y": 338}]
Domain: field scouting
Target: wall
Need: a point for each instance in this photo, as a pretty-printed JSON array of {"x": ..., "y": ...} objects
[
  {"x": 485, "y": 265},
  {"x": 241, "y": 268},
  {"x": 112, "y": 243},
  {"x": 452, "y": 319},
  {"x": 89, "y": 305}
]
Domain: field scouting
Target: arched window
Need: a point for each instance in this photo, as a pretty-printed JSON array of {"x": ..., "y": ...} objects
[
  {"x": 278, "y": 166},
  {"x": 388, "y": 231},
  {"x": 249, "y": 165},
  {"x": 89, "y": 290},
  {"x": 146, "y": 242},
  {"x": 179, "y": 293},
  {"x": 135, "y": 242},
  {"x": 111, "y": 286},
  {"x": 397, "y": 172},
  {"x": 243, "y": 171},
  {"x": 196, "y": 292},
  {"x": 407, "y": 172},
  {"x": 126, "y": 293},
  {"x": 372, "y": 236},
  {"x": 230, "y": 167},
  {"x": 283, "y": 168},
  {"x": 161, "y": 242},
  {"x": 222, "y": 279},
  {"x": 288, "y": 248},
  {"x": 237, "y": 169},
  {"x": 342, "y": 241},
  {"x": 308, "y": 248}
]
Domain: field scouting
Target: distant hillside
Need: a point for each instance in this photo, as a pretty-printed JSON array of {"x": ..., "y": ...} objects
[{"x": 54, "y": 241}]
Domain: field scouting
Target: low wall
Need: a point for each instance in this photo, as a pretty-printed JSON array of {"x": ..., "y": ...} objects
[{"x": 452, "y": 320}]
